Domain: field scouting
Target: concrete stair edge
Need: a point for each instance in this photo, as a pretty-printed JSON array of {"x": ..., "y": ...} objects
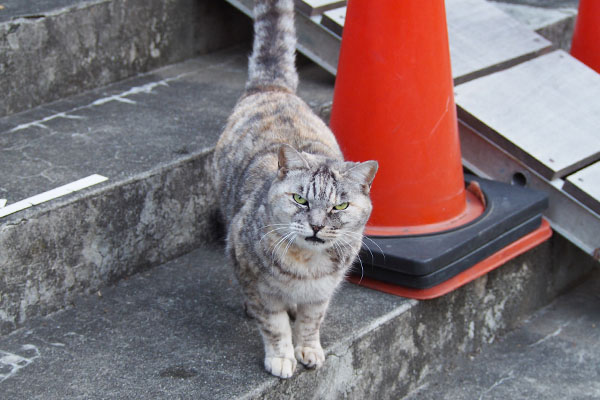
[
  {"x": 82, "y": 243},
  {"x": 179, "y": 331}
]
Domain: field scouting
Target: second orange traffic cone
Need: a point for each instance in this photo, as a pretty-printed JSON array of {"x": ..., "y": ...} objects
[{"x": 586, "y": 35}]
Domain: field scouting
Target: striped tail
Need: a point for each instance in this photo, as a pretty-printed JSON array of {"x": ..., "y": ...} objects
[{"x": 272, "y": 63}]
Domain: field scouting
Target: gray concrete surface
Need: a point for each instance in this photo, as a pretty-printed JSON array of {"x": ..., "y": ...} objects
[
  {"x": 152, "y": 136},
  {"x": 555, "y": 355},
  {"x": 178, "y": 331},
  {"x": 51, "y": 49}
]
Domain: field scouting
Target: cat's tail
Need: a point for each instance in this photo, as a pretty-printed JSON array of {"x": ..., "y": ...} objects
[{"x": 272, "y": 63}]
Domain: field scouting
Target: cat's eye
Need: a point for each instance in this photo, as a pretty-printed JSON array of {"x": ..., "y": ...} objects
[
  {"x": 299, "y": 199},
  {"x": 342, "y": 206}
]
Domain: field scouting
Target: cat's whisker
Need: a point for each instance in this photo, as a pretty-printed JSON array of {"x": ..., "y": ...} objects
[
  {"x": 362, "y": 269},
  {"x": 338, "y": 250},
  {"x": 290, "y": 241},
  {"x": 366, "y": 245},
  {"x": 271, "y": 231},
  {"x": 280, "y": 243},
  {"x": 272, "y": 225},
  {"x": 375, "y": 243}
]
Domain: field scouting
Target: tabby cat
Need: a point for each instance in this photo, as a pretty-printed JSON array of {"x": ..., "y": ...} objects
[{"x": 294, "y": 209}]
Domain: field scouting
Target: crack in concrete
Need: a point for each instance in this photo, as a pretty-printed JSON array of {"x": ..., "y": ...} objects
[
  {"x": 507, "y": 377},
  {"x": 549, "y": 336}
]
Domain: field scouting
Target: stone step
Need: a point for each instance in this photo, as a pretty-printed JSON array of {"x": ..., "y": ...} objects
[
  {"x": 179, "y": 331},
  {"x": 555, "y": 355},
  {"x": 55, "y": 48},
  {"x": 152, "y": 137}
]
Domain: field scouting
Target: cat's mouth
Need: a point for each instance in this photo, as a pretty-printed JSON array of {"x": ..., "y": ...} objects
[{"x": 314, "y": 239}]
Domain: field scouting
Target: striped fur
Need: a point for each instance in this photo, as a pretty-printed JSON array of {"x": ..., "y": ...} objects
[
  {"x": 273, "y": 53},
  {"x": 288, "y": 254}
]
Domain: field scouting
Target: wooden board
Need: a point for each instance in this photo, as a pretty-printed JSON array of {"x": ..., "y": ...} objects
[
  {"x": 545, "y": 112},
  {"x": 584, "y": 185},
  {"x": 484, "y": 39},
  {"x": 316, "y": 7},
  {"x": 334, "y": 20}
]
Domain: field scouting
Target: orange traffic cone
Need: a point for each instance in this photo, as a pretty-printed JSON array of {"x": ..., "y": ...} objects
[
  {"x": 394, "y": 102},
  {"x": 395, "y": 84},
  {"x": 586, "y": 35}
]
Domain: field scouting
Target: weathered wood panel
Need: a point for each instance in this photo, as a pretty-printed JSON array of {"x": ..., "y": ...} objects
[
  {"x": 546, "y": 112},
  {"x": 484, "y": 39},
  {"x": 334, "y": 20}
]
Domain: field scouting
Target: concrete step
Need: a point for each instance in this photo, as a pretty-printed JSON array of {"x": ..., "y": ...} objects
[
  {"x": 555, "y": 355},
  {"x": 55, "y": 48},
  {"x": 178, "y": 331},
  {"x": 152, "y": 137}
]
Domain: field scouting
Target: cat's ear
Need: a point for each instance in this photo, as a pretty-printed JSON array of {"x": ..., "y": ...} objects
[
  {"x": 363, "y": 172},
  {"x": 289, "y": 158}
]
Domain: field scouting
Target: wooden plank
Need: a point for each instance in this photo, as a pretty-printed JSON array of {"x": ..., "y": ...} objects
[
  {"x": 334, "y": 20},
  {"x": 316, "y": 7},
  {"x": 585, "y": 187},
  {"x": 483, "y": 39},
  {"x": 545, "y": 112}
]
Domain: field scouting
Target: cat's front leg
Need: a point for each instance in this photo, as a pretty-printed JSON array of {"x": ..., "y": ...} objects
[
  {"x": 308, "y": 348},
  {"x": 274, "y": 326}
]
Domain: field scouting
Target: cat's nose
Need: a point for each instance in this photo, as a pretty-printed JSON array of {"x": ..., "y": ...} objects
[{"x": 316, "y": 228}]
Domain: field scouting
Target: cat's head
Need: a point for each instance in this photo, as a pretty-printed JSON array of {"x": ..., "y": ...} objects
[{"x": 322, "y": 202}]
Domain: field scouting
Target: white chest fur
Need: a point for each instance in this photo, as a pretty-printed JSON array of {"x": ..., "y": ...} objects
[{"x": 314, "y": 277}]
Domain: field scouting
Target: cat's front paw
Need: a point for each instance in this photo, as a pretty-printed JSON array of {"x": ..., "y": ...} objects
[
  {"x": 310, "y": 357},
  {"x": 281, "y": 367}
]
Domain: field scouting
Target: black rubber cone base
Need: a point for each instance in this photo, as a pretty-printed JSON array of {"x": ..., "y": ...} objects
[{"x": 424, "y": 261}]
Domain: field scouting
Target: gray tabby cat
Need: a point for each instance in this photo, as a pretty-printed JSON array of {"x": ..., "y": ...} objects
[{"x": 295, "y": 211}]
